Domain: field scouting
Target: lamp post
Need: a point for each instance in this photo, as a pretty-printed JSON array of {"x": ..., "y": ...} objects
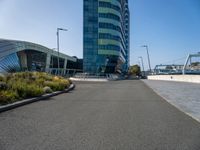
[
  {"x": 142, "y": 64},
  {"x": 146, "y": 46},
  {"x": 59, "y": 29}
]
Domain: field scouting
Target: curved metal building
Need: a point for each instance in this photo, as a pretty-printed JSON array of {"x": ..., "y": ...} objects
[
  {"x": 21, "y": 56},
  {"x": 106, "y": 36}
]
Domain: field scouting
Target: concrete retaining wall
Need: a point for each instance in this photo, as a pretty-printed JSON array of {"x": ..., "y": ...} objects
[
  {"x": 180, "y": 78},
  {"x": 89, "y": 79}
]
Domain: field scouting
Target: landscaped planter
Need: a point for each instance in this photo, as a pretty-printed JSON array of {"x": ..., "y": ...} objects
[
  {"x": 35, "y": 99},
  {"x": 25, "y": 85}
]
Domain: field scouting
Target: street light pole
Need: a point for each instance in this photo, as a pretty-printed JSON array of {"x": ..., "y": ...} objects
[
  {"x": 58, "y": 49},
  {"x": 58, "y": 45},
  {"x": 146, "y": 46},
  {"x": 142, "y": 64}
]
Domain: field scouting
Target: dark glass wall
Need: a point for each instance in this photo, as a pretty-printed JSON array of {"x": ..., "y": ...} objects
[
  {"x": 90, "y": 35},
  {"x": 36, "y": 61},
  {"x": 106, "y": 36}
]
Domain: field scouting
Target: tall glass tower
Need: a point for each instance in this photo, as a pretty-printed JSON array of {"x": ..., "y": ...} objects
[{"x": 106, "y": 36}]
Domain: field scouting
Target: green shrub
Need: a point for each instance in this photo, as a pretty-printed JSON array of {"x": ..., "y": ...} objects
[
  {"x": 25, "y": 90},
  {"x": 55, "y": 86},
  {"x": 58, "y": 84},
  {"x": 43, "y": 75},
  {"x": 47, "y": 89},
  {"x": 33, "y": 90},
  {"x": 23, "y": 85},
  {"x": 23, "y": 75},
  {"x": 48, "y": 77},
  {"x": 65, "y": 83},
  {"x": 40, "y": 81},
  {"x": 8, "y": 97}
]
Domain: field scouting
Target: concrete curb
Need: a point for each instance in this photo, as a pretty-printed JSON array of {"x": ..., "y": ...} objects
[
  {"x": 89, "y": 79},
  {"x": 93, "y": 79},
  {"x": 35, "y": 99}
]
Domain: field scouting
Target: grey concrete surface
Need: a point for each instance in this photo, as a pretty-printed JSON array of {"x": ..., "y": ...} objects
[
  {"x": 118, "y": 115},
  {"x": 183, "y": 95}
]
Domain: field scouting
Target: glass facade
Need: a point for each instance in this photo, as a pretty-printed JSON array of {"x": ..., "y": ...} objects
[
  {"x": 26, "y": 56},
  {"x": 36, "y": 61},
  {"x": 106, "y": 36},
  {"x": 10, "y": 63}
]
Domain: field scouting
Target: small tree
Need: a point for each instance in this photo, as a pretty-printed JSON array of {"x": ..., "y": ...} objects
[{"x": 135, "y": 70}]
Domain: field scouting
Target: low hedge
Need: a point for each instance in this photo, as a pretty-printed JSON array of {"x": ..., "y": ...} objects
[{"x": 22, "y": 85}]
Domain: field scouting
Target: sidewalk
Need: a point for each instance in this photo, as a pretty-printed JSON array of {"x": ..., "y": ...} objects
[{"x": 184, "y": 96}]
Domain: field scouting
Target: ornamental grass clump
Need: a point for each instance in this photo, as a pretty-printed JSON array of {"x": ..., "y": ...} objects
[
  {"x": 65, "y": 83},
  {"x": 57, "y": 83},
  {"x": 26, "y": 89},
  {"x": 55, "y": 86},
  {"x": 7, "y": 97}
]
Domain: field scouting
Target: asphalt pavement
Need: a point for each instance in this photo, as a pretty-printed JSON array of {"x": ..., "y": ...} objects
[{"x": 116, "y": 115}]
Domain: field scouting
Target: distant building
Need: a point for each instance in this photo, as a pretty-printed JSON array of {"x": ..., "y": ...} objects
[
  {"x": 168, "y": 69},
  {"x": 195, "y": 65},
  {"x": 106, "y": 46},
  {"x": 26, "y": 56}
]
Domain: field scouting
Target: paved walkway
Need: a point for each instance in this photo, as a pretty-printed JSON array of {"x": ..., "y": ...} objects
[
  {"x": 119, "y": 115},
  {"x": 185, "y": 96}
]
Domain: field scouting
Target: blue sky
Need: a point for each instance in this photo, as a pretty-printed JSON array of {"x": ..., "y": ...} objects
[{"x": 171, "y": 28}]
